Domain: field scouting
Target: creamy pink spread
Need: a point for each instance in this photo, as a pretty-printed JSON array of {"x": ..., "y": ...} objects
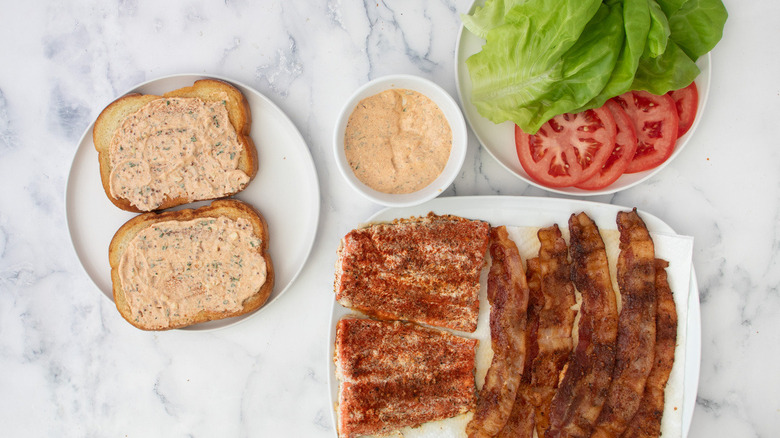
[
  {"x": 174, "y": 269},
  {"x": 175, "y": 147},
  {"x": 397, "y": 141}
]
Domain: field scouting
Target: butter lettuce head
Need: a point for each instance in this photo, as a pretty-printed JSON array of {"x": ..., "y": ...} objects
[
  {"x": 542, "y": 58},
  {"x": 517, "y": 74}
]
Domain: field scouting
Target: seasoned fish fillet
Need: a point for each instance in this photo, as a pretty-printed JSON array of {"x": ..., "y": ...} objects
[
  {"x": 422, "y": 269},
  {"x": 395, "y": 374}
]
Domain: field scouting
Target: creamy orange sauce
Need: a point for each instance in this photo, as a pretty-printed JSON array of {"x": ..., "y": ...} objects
[
  {"x": 175, "y": 147},
  {"x": 397, "y": 141},
  {"x": 175, "y": 269}
]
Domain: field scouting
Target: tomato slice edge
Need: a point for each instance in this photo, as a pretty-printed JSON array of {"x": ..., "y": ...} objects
[
  {"x": 686, "y": 101},
  {"x": 656, "y": 124},
  {"x": 557, "y": 136},
  {"x": 622, "y": 154}
]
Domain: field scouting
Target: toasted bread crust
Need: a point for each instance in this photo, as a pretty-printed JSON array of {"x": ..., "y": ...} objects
[
  {"x": 111, "y": 118},
  {"x": 230, "y": 208}
]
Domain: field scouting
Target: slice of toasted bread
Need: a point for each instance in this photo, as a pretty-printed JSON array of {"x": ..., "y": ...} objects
[
  {"x": 158, "y": 304},
  {"x": 113, "y": 116}
]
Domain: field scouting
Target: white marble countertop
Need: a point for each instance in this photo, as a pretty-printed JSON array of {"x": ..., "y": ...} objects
[{"x": 71, "y": 366}]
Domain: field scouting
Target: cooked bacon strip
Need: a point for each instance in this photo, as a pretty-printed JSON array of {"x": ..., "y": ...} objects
[
  {"x": 583, "y": 390},
  {"x": 647, "y": 420},
  {"x": 508, "y": 296},
  {"x": 551, "y": 317},
  {"x": 556, "y": 320},
  {"x": 533, "y": 278},
  {"x": 422, "y": 269},
  {"x": 521, "y": 420},
  {"x": 395, "y": 374},
  {"x": 636, "y": 326}
]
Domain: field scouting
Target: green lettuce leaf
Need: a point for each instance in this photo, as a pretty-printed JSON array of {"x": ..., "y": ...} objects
[
  {"x": 535, "y": 58},
  {"x": 589, "y": 65},
  {"x": 486, "y": 17},
  {"x": 672, "y": 70},
  {"x": 697, "y": 26},
  {"x": 658, "y": 35},
  {"x": 636, "y": 22},
  {"x": 670, "y": 6}
]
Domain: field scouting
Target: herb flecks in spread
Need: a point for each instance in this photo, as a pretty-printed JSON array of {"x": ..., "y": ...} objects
[
  {"x": 175, "y": 147},
  {"x": 397, "y": 141},
  {"x": 176, "y": 269}
]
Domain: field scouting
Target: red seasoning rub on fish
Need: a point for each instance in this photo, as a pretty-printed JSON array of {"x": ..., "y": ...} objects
[
  {"x": 508, "y": 296},
  {"x": 583, "y": 390},
  {"x": 556, "y": 320},
  {"x": 422, "y": 269},
  {"x": 636, "y": 326},
  {"x": 647, "y": 421},
  {"x": 395, "y": 374}
]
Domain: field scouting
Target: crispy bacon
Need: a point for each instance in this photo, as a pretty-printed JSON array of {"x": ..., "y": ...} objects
[
  {"x": 646, "y": 422},
  {"x": 533, "y": 278},
  {"x": 636, "y": 326},
  {"x": 508, "y": 296},
  {"x": 521, "y": 420},
  {"x": 583, "y": 389},
  {"x": 551, "y": 317},
  {"x": 556, "y": 320},
  {"x": 422, "y": 269},
  {"x": 395, "y": 374}
]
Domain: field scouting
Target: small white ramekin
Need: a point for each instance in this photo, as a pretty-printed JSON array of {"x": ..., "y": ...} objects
[{"x": 451, "y": 111}]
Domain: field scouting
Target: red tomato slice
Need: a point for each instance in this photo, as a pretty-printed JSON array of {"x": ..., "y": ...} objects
[
  {"x": 567, "y": 149},
  {"x": 655, "y": 122},
  {"x": 687, "y": 102},
  {"x": 622, "y": 154}
]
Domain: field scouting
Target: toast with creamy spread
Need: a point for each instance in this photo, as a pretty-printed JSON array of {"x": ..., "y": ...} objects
[
  {"x": 178, "y": 268},
  {"x": 190, "y": 144}
]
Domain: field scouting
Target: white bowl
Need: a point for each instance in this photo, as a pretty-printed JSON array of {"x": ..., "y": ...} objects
[{"x": 451, "y": 111}]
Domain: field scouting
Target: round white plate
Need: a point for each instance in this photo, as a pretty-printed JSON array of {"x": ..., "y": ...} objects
[
  {"x": 499, "y": 139},
  {"x": 540, "y": 212},
  {"x": 285, "y": 190}
]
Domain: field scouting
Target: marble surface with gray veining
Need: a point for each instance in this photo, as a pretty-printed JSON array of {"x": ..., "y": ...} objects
[{"x": 71, "y": 366}]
